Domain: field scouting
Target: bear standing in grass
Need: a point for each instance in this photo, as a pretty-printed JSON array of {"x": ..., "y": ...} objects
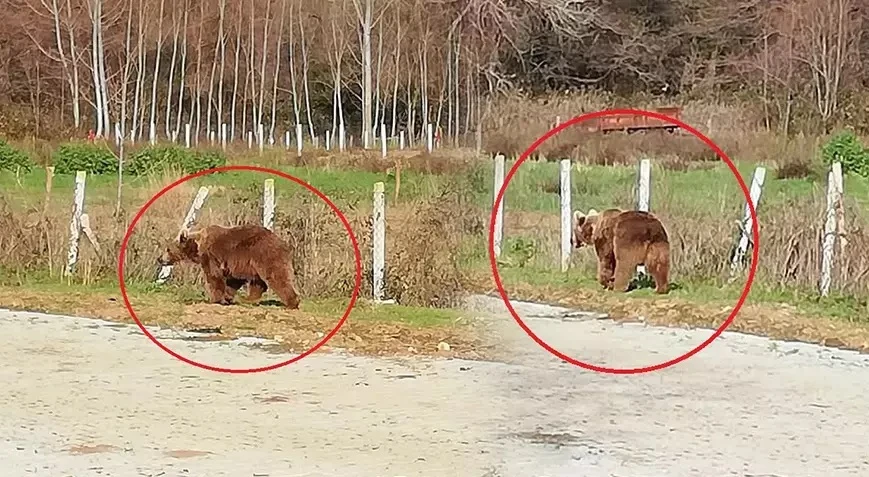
[
  {"x": 233, "y": 256},
  {"x": 624, "y": 240}
]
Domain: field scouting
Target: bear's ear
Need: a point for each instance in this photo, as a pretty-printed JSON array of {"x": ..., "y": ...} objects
[
  {"x": 591, "y": 213},
  {"x": 183, "y": 236},
  {"x": 578, "y": 218}
]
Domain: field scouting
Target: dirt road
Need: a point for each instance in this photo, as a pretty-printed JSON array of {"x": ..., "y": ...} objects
[{"x": 85, "y": 397}]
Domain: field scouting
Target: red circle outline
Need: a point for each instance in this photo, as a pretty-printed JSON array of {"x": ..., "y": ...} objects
[
  {"x": 614, "y": 112},
  {"x": 356, "y": 252}
]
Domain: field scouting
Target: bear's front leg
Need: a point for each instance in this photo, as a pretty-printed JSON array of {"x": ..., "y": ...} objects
[
  {"x": 215, "y": 283},
  {"x": 606, "y": 271}
]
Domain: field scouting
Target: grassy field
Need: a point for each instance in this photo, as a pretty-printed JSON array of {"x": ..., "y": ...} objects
[{"x": 437, "y": 228}]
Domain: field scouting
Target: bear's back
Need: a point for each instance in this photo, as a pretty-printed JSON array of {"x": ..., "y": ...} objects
[
  {"x": 248, "y": 238},
  {"x": 636, "y": 225}
]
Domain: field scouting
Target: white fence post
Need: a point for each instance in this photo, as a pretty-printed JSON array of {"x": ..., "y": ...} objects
[
  {"x": 834, "y": 196},
  {"x": 119, "y": 138},
  {"x": 401, "y": 139},
  {"x": 75, "y": 223},
  {"x": 269, "y": 204},
  {"x": 299, "y": 140},
  {"x": 429, "y": 137},
  {"x": 153, "y": 138},
  {"x": 499, "y": 216},
  {"x": 644, "y": 186},
  {"x": 341, "y": 136},
  {"x": 383, "y": 139},
  {"x": 165, "y": 271},
  {"x": 747, "y": 222},
  {"x": 187, "y": 135},
  {"x": 260, "y": 139},
  {"x": 223, "y": 136},
  {"x": 839, "y": 181},
  {"x": 328, "y": 143},
  {"x": 88, "y": 232},
  {"x": 379, "y": 241},
  {"x": 566, "y": 215},
  {"x": 644, "y": 192}
]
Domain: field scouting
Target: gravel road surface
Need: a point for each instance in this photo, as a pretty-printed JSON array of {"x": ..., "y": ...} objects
[{"x": 86, "y": 397}]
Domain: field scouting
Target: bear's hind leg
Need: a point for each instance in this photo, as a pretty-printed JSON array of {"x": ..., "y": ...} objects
[
  {"x": 658, "y": 264},
  {"x": 279, "y": 280},
  {"x": 232, "y": 286},
  {"x": 624, "y": 273},
  {"x": 627, "y": 260},
  {"x": 255, "y": 290}
]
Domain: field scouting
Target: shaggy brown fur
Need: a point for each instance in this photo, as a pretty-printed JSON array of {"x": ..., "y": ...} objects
[
  {"x": 233, "y": 256},
  {"x": 624, "y": 240}
]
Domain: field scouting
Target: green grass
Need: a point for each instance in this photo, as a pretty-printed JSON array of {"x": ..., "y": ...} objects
[
  {"x": 535, "y": 187},
  {"x": 341, "y": 186},
  {"x": 363, "y": 310},
  {"x": 837, "y": 306},
  {"x": 706, "y": 192}
]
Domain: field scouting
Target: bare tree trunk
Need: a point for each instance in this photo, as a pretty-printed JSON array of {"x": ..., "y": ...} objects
[
  {"x": 126, "y": 76},
  {"x": 235, "y": 76},
  {"x": 292, "y": 63},
  {"x": 468, "y": 100},
  {"x": 444, "y": 85},
  {"x": 152, "y": 117},
  {"x": 183, "y": 71},
  {"x": 423, "y": 85},
  {"x": 251, "y": 68},
  {"x": 101, "y": 66},
  {"x": 199, "y": 74},
  {"x": 222, "y": 40},
  {"x": 339, "y": 59},
  {"x": 303, "y": 45},
  {"x": 790, "y": 71},
  {"x": 377, "y": 119},
  {"x": 411, "y": 110},
  {"x": 73, "y": 53},
  {"x": 175, "y": 33},
  {"x": 449, "y": 87},
  {"x": 364, "y": 16},
  {"x": 140, "y": 72},
  {"x": 54, "y": 9},
  {"x": 393, "y": 131},
  {"x": 262, "y": 74},
  {"x": 457, "y": 88},
  {"x": 211, "y": 102},
  {"x": 94, "y": 10},
  {"x": 277, "y": 67}
]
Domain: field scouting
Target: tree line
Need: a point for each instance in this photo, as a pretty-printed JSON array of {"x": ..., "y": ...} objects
[{"x": 148, "y": 67}]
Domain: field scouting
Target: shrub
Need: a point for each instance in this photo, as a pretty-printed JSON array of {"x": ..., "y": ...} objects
[
  {"x": 82, "y": 156},
  {"x": 153, "y": 159},
  {"x": 11, "y": 159},
  {"x": 848, "y": 149}
]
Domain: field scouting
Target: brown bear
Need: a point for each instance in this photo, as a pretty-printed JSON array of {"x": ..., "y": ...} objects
[
  {"x": 624, "y": 240},
  {"x": 232, "y": 256}
]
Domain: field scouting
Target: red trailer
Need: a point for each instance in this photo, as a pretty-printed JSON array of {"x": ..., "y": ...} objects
[{"x": 637, "y": 122}]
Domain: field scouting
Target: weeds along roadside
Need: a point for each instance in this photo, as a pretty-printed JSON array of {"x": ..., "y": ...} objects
[{"x": 437, "y": 230}]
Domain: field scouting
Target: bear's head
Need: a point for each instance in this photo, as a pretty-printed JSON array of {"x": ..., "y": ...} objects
[
  {"x": 583, "y": 227},
  {"x": 185, "y": 247}
]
